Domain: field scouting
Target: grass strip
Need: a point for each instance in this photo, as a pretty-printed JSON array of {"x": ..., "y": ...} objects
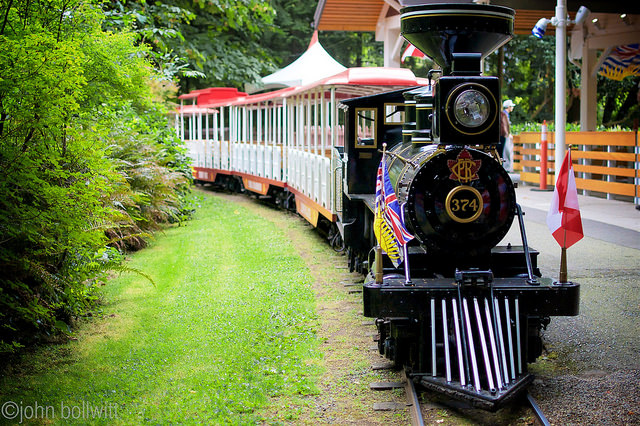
[{"x": 230, "y": 324}]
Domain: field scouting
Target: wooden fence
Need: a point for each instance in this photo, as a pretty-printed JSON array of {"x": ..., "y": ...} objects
[{"x": 605, "y": 163}]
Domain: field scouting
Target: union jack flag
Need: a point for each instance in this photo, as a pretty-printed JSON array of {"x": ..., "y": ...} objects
[{"x": 388, "y": 226}]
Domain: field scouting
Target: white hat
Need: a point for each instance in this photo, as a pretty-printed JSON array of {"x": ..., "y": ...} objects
[{"x": 508, "y": 103}]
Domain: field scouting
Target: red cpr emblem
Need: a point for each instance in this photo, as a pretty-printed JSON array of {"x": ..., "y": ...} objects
[{"x": 464, "y": 168}]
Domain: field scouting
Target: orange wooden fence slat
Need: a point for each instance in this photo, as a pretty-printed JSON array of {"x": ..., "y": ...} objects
[
  {"x": 601, "y": 138},
  {"x": 584, "y": 138},
  {"x": 535, "y": 178},
  {"x": 536, "y": 163},
  {"x": 607, "y": 187},
  {"x": 615, "y": 171},
  {"x": 607, "y": 156},
  {"x": 536, "y": 151}
]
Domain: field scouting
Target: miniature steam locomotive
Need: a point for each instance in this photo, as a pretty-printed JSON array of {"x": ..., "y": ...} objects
[{"x": 464, "y": 316}]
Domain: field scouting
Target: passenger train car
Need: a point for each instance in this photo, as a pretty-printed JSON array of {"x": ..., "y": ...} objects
[
  {"x": 460, "y": 313},
  {"x": 286, "y": 144}
]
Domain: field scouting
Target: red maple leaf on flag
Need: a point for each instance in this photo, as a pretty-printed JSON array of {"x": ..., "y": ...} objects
[
  {"x": 411, "y": 50},
  {"x": 564, "y": 219}
]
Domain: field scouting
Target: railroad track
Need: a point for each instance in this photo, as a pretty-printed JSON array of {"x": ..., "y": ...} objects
[
  {"x": 413, "y": 402},
  {"x": 415, "y": 409},
  {"x": 412, "y": 398}
]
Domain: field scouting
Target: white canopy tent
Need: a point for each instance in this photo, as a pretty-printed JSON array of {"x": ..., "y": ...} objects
[{"x": 313, "y": 65}]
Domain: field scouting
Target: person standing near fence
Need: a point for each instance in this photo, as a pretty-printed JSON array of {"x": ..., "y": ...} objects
[
  {"x": 505, "y": 124},
  {"x": 505, "y": 128}
]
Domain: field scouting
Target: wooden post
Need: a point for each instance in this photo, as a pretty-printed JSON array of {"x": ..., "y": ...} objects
[{"x": 543, "y": 156}]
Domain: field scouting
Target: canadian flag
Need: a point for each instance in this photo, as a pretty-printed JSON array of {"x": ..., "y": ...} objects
[
  {"x": 411, "y": 50},
  {"x": 563, "y": 218}
]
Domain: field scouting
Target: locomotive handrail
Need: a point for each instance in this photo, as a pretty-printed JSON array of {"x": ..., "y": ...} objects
[
  {"x": 531, "y": 280},
  {"x": 400, "y": 157}
]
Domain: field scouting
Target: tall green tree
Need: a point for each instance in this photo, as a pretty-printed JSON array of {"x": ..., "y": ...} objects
[
  {"x": 354, "y": 49},
  {"x": 72, "y": 96},
  {"x": 209, "y": 43},
  {"x": 289, "y": 35},
  {"x": 529, "y": 70}
]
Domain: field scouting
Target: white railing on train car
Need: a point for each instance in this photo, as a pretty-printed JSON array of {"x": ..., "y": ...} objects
[
  {"x": 289, "y": 143},
  {"x": 267, "y": 155},
  {"x": 260, "y": 163},
  {"x": 276, "y": 164},
  {"x": 325, "y": 188}
]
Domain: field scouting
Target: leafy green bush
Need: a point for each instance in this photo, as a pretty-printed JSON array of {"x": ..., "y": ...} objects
[{"x": 73, "y": 100}]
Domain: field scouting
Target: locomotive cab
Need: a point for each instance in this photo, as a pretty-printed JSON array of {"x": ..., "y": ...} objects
[{"x": 370, "y": 121}]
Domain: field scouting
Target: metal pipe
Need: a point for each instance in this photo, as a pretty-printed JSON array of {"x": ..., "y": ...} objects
[
  {"x": 518, "y": 336},
  {"x": 492, "y": 341},
  {"x": 508, "y": 316},
  {"x": 433, "y": 337},
  {"x": 505, "y": 371},
  {"x": 472, "y": 348},
  {"x": 561, "y": 83},
  {"x": 445, "y": 332},
  {"x": 525, "y": 245},
  {"x": 483, "y": 344},
  {"x": 464, "y": 335},
  {"x": 463, "y": 381}
]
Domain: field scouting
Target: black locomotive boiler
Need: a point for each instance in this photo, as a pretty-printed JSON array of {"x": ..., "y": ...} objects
[{"x": 465, "y": 315}]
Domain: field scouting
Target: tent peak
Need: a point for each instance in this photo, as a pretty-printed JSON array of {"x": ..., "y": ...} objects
[{"x": 314, "y": 39}]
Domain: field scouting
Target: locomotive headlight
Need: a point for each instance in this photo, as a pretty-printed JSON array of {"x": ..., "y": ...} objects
[
  {"x": 467, "y": 107},
  {"x": 471, "y": 108}
]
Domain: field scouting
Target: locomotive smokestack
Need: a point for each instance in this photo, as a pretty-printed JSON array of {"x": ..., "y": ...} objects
[{"x": 444, "y": 30}]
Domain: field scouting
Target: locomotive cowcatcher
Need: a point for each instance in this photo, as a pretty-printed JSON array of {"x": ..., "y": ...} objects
[{"x": 461, "y": 314}]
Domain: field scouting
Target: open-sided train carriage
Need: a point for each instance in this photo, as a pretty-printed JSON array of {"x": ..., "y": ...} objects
[{"x": 285, "y": 144}]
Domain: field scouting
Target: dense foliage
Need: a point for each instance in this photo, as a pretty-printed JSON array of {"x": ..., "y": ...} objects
[
  {"x": 89, "y": 163},
  {"x": 209, "y": 43}
]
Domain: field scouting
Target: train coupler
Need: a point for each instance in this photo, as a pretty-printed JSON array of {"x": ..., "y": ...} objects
[{"x": 474, "y": 277}]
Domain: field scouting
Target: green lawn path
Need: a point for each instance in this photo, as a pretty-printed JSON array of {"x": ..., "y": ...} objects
[{"x": 230, "y": 324}]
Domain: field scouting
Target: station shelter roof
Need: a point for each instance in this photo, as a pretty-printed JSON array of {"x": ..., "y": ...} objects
[{"x": 365, "y": 15}]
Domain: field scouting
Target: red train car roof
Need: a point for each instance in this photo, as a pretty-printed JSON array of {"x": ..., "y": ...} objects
[
  {"x": 364, "y": 76},
  {"x": 375, "y": 76},
  {"x": 213, "y": 95}
]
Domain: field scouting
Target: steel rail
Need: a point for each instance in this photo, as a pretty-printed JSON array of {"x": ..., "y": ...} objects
[
  {"x": 537, "y": 411},
  {"x": 413, "y": 403}
]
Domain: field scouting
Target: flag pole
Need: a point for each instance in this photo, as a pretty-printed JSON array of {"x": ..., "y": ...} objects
[
  {"x": 563, "y": 255},
  {"x": 407, "y": 272},
  {"x": 563, "y": 266},
  {"x": 379, "y": 272},
  {"x": 379, "y": 269},
  {"x": 564, "y": 219}
]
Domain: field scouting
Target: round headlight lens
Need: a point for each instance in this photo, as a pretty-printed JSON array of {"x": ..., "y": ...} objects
[{"x": 471, "y": 108}]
